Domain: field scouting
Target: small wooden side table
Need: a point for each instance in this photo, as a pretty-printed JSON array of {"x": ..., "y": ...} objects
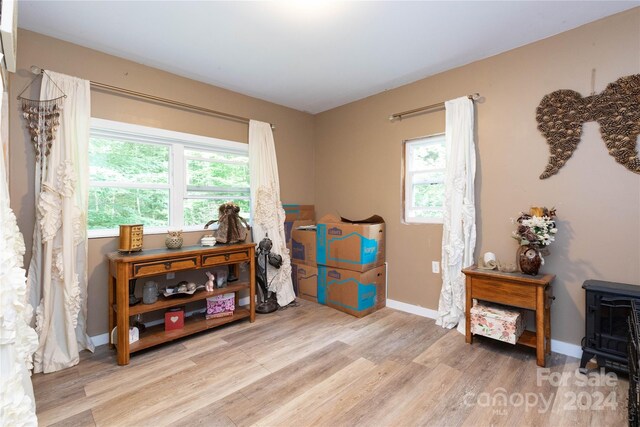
[{"x": 517, "y": 290}]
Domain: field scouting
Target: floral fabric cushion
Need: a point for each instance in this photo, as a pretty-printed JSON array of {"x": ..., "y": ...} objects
[{"x": 497, "y": 322}]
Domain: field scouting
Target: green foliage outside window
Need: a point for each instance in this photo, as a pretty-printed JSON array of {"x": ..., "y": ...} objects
[
  {"x": 227, "y": 173},
  {"x": 110, "y": 207},
  {"x": 210, "y": 174},
  {"x": 428, "y": 156},
  {"x": 426, "y": 163},
  {"x": 124, "y": 161},
  {"x": 201, "y": 211},
  {"x": 428, "y": 195},
  {"x": 212, "y": 178}
]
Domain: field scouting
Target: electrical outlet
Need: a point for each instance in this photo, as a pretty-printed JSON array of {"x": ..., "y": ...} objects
[
  {"x": 435, "y": 267},
  {"x": 171, "y": 276}
]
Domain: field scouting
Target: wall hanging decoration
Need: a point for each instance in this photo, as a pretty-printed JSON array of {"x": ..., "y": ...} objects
[
  {"x": 561, "y": 114},
  {"x": 536, "y": 230},
  {"x": 42, "y": 117}
]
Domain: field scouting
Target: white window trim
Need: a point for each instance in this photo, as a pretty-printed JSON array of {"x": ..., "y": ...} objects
[
  {"x": 407, "y": 173},
  {"x": 177, "y": 141}
]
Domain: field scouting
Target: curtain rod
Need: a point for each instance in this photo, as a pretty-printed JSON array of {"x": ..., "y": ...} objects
[
  {"x": 38, "y": 70},
  {"x": 472, "y": 97}
]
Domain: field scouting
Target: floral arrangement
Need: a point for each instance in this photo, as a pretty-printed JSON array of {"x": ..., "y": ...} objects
[{"x": 537, "y": 228}]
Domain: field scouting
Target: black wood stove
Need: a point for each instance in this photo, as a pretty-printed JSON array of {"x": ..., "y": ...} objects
[
  {"x": 608, "y": 306},
  {"x": 634, "y": 359}
]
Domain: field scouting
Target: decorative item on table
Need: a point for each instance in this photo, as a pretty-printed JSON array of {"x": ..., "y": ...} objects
[
  {"x": 133, "y": 299},
  {"x": 174, "y": 239},
  {"x": 138, "y": 323},
  {"x": 131, "y": 238},
  {"x": 232, "y": 228},
  {"x": 507, "y": 267},
  {"x": 220, "y": 305},
  {"x": 208, "y": 240},
  {"x": 174, "y": 319},
  {"x": 266, "y": 299},
  {"x": 488, "y": 261},
  {"x": 150, "y": 292},
  {"x": 182, "y": 288},
  {"x": 209, "y": 286},
  {"x": 536, "y": 230},
  {"x": 222, "y": 278},
  {"x": 231, "y": 274},
  {"x": 134, "y": 335},
  {"x": 497, "y": 322}
]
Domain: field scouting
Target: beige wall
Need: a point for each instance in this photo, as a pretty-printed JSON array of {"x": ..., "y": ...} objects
[
  {"x": 293, "y": 134},
  {"x": 356, "y": 154},
  {"x": 598, "y": 200}
]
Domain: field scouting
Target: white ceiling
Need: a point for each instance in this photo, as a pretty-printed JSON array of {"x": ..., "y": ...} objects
[{"x": 308, "y": 55}]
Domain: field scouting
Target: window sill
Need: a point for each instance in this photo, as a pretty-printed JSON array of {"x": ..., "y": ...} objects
[
  {"x": 422, "y": 221},
  {"x": 107, "y": 234}
]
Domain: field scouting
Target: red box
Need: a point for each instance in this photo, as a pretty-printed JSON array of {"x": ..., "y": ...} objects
[{"x": 174, "y": 320}]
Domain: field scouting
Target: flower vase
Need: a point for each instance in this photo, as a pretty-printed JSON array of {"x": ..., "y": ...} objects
[{"x": 529, "y": 259}]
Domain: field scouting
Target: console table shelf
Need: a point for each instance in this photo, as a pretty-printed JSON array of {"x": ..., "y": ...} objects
[
  {"x": 528, "y": 339},
  {"x": 517, "y": 290},
  {"x": 127, "y": 267},
  {"x": 196, "y": 323},
  {"x": 172, "y": 301}
]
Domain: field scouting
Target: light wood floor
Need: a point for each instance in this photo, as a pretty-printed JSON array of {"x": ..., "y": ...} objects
[{"x": 312, "y": 365}]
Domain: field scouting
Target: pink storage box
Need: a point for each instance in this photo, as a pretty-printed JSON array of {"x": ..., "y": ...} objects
[
  {"x": 497, "y": 322},
  {"x": 221, "y": 303}
]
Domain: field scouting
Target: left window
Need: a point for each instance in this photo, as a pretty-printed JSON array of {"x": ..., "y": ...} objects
[{"x": 160, "y": 178}]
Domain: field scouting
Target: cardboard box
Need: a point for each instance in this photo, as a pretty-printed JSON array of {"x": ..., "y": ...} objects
[
  {"x": 296, "y": 213},
  {"x": 306, "y": 281},
  {"x": 292, "y": 226},
  {"x": 303, "y": 245},
  {"x": 352, "y": 245},
  {"x": 353, "y": 292}
]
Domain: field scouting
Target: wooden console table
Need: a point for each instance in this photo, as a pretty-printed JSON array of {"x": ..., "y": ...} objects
[
  {"x": 124, "y": 267},
  {"x": 518, "y": 290}
]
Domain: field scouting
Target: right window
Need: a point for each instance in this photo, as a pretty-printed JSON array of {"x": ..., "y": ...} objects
[{"x": 424, "y": 165}]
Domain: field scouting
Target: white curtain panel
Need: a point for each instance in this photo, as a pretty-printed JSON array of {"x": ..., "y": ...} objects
[
  {"x": 57, "y": 276},
  {"x": 18, "y": 340},
  {"x": 459, "y": 230},
  {"x": 267, "y": 214}
]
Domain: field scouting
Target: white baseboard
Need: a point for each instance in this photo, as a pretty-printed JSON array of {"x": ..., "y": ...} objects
[
  {"x": 99, "y": 340},
  {"x": 561, "y": 347},
  {"x": 566, "y": 348},
  {"x": 103, "y": 339},
  {"x": 413, "y": 309}
]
